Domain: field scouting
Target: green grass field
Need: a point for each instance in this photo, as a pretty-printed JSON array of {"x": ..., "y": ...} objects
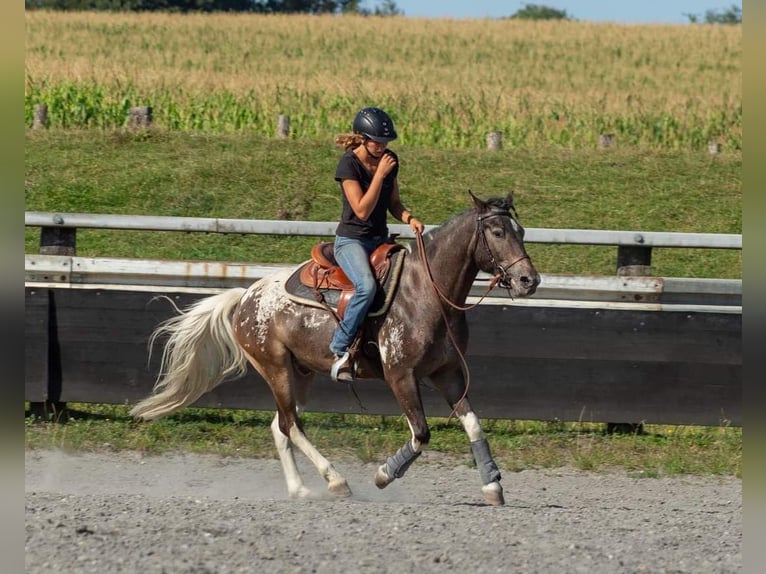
[
  {"x": 247, "y": 176},
  {"x": 238, "y": 175}
]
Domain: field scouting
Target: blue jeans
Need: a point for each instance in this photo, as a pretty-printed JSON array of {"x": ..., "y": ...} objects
[{"x": 353, "y": 256}]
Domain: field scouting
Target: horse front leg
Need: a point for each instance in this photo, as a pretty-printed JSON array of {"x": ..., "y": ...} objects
[
  {"x": 407, "y": 394},
  {"x": 452, "y": 385}
]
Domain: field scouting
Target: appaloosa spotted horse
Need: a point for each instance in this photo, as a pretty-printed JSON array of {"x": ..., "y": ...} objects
[{"x": 420, "y": 336}]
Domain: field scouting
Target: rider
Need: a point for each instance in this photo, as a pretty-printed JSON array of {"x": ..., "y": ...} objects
[{"x": 367, "y": 173}]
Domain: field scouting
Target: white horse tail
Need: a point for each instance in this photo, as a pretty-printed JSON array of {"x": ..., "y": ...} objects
[{"x": 200, "y": 353}]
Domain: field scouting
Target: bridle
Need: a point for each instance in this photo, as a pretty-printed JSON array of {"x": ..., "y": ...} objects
[{"x": 501, "y": 276}]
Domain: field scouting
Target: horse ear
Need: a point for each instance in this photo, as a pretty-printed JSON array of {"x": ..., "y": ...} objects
[
  {"x": 480, "y": 205},
  {"x": 509, "y": 198}
]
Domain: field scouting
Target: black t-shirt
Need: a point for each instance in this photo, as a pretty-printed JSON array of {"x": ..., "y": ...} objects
[{"x": 350, "y": 167}]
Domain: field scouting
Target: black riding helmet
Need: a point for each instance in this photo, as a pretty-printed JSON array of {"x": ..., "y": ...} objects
[{"x": 375, "y": 124}]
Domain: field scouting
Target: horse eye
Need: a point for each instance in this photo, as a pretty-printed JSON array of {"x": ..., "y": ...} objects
[{"x": 499, "y": 233}]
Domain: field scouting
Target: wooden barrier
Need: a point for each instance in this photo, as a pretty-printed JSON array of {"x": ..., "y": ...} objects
[
  {"x": 597, "y": 349},
  {"x": 549, "y": 363}
]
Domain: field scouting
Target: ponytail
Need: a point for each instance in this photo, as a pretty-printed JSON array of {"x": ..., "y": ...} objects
[{"x": 348, "y": 141}]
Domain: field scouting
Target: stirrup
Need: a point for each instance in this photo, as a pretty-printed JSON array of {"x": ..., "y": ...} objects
[{"x": 341, "y": 369}]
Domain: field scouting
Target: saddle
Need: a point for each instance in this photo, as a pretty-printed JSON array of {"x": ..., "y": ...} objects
[{"x": 322, "y": 271}]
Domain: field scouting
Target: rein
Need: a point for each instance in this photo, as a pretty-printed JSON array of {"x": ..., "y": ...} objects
[{"x": 440, "y": 294}]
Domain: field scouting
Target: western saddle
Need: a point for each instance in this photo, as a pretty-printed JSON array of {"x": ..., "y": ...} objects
[{"x": 322, "y": 272}]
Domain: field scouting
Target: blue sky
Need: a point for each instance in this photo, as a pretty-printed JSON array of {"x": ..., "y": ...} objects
[{"x": 623, "y": 11}]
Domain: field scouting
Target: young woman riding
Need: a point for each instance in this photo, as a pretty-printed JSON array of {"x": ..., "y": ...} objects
[{"x": 368, "y": 176}]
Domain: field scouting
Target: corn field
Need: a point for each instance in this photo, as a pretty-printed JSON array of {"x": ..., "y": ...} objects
[{"x": 446, "y": 83}]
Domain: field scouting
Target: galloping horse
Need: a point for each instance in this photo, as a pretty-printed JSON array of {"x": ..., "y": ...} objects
[{"x": 423, "y": 334}]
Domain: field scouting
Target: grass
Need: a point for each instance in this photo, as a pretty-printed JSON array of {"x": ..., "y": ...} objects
[
  {"x": 248, "y": 176},
  {"x": 660, "y": 450},
  {"x": 244, "y": 175}
]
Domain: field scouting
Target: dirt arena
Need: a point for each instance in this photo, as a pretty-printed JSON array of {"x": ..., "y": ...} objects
[{"x": 125, "y": 512}]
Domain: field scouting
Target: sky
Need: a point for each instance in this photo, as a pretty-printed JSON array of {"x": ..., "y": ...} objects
[{"x": 622, "y": 11}]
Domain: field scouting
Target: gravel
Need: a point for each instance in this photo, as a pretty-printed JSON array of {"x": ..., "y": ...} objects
[{"x": 188, "y": 513}]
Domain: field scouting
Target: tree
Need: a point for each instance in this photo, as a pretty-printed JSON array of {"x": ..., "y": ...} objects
[
  {"x": 731, "y": 15},
  {"x": 386, "y": 8},
  {"x": 540, "y": 12},
  {"x": 144, "y": 5}
]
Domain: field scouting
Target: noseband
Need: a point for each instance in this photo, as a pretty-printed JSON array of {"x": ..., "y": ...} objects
[{"x": 501, "y": 273}]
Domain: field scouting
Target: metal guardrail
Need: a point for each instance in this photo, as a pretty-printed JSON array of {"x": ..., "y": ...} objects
[
  {"x": 327, "y": 228},
  {"x": 633, "y": 282}
]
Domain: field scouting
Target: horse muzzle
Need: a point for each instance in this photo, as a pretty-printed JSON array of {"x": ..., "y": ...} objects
[{"x": 522, "y": 281}]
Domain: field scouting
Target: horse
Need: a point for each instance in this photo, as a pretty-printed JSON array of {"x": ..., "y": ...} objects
[{"x": 422, "y": 335}]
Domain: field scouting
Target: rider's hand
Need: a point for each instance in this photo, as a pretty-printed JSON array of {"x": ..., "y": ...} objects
[
  {"x": 416, "y": 225},
  {"x": 386, "y": 165}
]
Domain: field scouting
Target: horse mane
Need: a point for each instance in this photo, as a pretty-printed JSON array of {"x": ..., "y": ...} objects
[
  {"x": 504, "y": 203},
  {"x": 499, "y": 203}
]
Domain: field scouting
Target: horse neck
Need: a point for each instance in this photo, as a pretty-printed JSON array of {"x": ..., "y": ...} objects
[{"x": 450, "y": 250}]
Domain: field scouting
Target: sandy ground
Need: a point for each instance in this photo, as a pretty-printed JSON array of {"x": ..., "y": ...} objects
[{"x": 125, "y": 512}]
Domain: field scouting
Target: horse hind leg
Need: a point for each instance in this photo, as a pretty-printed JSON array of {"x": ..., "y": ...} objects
[
  {"x": 295, "y": 487},
  {"x": 336, "y": 484},
  {"x": 286, "y": 429}
]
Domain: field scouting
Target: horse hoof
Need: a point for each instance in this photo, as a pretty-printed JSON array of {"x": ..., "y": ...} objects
[
  {"x": 339, "y": 488},
  {"x": 301, "y": 492},
  {"x": 382, "y": 480},
  {"x": 493, "y": 494}
]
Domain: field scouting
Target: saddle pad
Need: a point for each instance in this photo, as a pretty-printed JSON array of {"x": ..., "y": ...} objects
[{"x": 299, "y": 293}]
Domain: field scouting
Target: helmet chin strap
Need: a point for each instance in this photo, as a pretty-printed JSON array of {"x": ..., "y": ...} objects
[{"x": 370, "y": 153}]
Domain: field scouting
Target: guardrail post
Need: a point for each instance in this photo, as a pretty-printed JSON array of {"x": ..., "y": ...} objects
[
  {"x": 54, "y": 241},
  {"x": 494, "y": 141},
  {"x": 40, "y": 120},
  {"x": 634, "y": 261},
  {"x": 58, "y": 240},
  {"x": 140, "y": 117},
  {"x": 50, "y": 373},
  {"x": 605, "y": 140}
]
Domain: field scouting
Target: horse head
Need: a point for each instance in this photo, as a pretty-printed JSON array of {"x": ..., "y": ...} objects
[{"x": 500, "y": 247}]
